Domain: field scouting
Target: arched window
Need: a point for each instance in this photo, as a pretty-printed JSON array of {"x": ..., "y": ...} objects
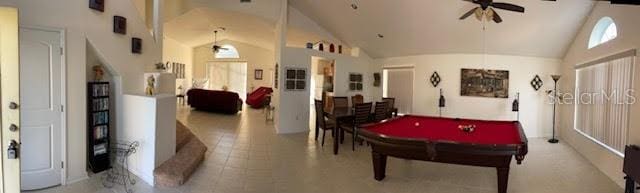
[
  {"x": 227, "y": 51},
  {"x": 604, "y": 31}
]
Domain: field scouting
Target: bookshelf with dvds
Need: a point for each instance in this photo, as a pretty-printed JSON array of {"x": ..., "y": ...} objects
[{"x": 98, "y": 143}]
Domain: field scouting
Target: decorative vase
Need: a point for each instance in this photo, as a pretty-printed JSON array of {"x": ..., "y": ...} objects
[
  {"x": 332, "y": 48},
  {"x": 321, "y": 47},
  {"x": 309, "y": 45},
  {"x": 339, "y": 49}
]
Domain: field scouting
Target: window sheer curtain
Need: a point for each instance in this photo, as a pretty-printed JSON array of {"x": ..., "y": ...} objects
[
  {"x": 603, "y": 100},
  {"x": 232, "y": 75}
]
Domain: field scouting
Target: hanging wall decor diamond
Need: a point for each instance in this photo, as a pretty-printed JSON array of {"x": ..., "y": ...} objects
[
  {"x": 537, "y": 83},
  {"x": 435, "y": 79}
]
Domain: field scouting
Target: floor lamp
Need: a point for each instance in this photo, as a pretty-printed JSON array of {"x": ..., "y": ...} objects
[{"x": 555, "y": 100}]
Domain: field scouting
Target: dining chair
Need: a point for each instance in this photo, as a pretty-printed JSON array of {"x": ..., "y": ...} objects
[
  {"x": 361, "y": 114},
  {"x": 380, "y": 112},
  {"x": 357, "y": 99},
  {"x": 340, "y": 102},
  {"x": 321, "y": 122},
  {"x": 391, "y": 109}
]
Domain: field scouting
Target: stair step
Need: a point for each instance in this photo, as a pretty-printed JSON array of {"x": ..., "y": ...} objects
[
  {"x": 183, "y": 135},
  {"x": 190, "y": 153}
]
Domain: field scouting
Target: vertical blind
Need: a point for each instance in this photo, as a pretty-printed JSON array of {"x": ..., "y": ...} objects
[{"x": 603, "y": 99}]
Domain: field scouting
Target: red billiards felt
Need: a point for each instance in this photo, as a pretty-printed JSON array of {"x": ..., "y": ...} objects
[{"x": 446, "y": 129}]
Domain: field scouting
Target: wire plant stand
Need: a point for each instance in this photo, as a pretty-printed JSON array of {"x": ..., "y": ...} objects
[{"x": 119, "y": 173}]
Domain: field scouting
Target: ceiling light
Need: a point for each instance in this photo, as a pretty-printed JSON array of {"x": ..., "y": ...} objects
[
  {"x": 354, "y": 6},
  {"x": 380, "y": 36}
]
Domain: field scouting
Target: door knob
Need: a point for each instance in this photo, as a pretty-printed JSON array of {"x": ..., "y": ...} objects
[
  {"x": 13, "y": 128},
  {"x": 13, "y": 105}
]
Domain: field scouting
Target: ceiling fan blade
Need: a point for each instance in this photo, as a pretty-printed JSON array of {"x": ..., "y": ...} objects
[
  {"x": 468, "y": 13},
  {"x": 626, "y": 2},
  {"x": 508, "y": 6},
  {"x": 497, "y": 17},
  {"x": 489, "y": 14}
]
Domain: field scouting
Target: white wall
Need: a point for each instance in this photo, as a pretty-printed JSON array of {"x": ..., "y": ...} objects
[
  {"x": 292, "y": 118},
  {"x": 302, "y": 30},
  {"x": 81, "y": 25},
  {"x": 256, "y": 58},
  {"x": 174, "y": 51},
  {"x": 535, "y": 110},
  {"x": 153, "y": 127},
  {"x": 626, "y": 19}
]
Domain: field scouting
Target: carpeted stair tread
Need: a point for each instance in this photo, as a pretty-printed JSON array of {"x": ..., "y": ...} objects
[
  {"x": 177, "y": 170},
  {"x": 183, "y": 135}
]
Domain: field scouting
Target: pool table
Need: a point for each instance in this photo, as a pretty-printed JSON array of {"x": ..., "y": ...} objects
[{"x": 436, "y": 139}]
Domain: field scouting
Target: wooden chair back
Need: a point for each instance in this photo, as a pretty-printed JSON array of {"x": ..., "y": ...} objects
[
  {"x": 340, "y": 102},
  {"x": 391, "y": 102},
  {"x": 362, "y": 112},
  {"x": 357, "y": 99},
  {"x": 320, "y": 114},
  {"x": 381, "y": 112}
]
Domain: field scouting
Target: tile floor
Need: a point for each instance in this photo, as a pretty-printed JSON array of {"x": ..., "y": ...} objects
[{"x": 245, "y": 155}]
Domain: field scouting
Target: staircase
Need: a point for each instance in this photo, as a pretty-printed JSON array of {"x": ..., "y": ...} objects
[{"x": 190, "y": 153}]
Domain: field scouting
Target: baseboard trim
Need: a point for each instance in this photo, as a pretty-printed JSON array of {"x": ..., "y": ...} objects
[{"x": 78, "y": 179}]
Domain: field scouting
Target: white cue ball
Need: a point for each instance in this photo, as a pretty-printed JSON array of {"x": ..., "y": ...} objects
[{"x": 417, "y": 124}]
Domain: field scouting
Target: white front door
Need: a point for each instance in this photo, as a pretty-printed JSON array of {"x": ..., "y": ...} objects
[{"x": 40, "y": 93}]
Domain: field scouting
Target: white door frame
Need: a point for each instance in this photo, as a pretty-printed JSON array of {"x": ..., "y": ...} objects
[{"x": 63, "y": 93}]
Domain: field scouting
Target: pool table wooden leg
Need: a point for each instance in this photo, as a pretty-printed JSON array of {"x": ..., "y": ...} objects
[
  {"x": 503, "y": 179},
  {"x": 379, "y": 165}
]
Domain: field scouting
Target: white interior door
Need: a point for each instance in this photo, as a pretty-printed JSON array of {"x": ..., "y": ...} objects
[
  {"x": 41, "y": 113},
  {"x": 399, "y": 85}
]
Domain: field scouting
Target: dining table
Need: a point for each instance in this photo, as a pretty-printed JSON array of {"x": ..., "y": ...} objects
[{"x": 339, "y": 115}]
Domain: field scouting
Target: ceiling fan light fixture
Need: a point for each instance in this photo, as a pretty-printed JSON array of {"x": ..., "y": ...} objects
[
  {"x": 354, "y": 6},
  {"x": 490, "y": 14},
  {"x": 479, "y": 13}
]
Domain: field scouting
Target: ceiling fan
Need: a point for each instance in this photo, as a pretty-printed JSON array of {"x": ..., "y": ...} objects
[
  {"x": 619, "y": 2},
  {"x": 485, "y": 10},
  {"x": 216, "y": 48}
]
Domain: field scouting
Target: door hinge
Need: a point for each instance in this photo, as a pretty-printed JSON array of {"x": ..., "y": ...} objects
[
  {"x": 61, "y": 51},
  {"x": 62, "y": 164},
  {"x": 62, "y": 108}
]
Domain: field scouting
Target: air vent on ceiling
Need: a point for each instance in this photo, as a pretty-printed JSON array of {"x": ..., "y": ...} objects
[{"x": 245, "y": 1}]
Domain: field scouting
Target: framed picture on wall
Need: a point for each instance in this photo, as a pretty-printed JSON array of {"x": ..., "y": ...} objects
[
  {"x": 119, "y": 25},
  {"x": 97, "y": 5},
  {"x": 275, "y": 76},
  {"x": 484, "y": 83},
  {"x": 257, "y": 74},
  {"x": 355, "y": 82},
  {"x": 296, "y": 79}
]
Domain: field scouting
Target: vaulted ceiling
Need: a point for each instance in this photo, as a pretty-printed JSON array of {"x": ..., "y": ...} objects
[
  {"x": 196, "y": 27},
  {"x": 412, "y": 27}
]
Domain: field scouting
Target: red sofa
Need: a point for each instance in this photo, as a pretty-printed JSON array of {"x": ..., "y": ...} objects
[
  {"x": 214, "y": 101},
  {"x": 258, "y": 98}
]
